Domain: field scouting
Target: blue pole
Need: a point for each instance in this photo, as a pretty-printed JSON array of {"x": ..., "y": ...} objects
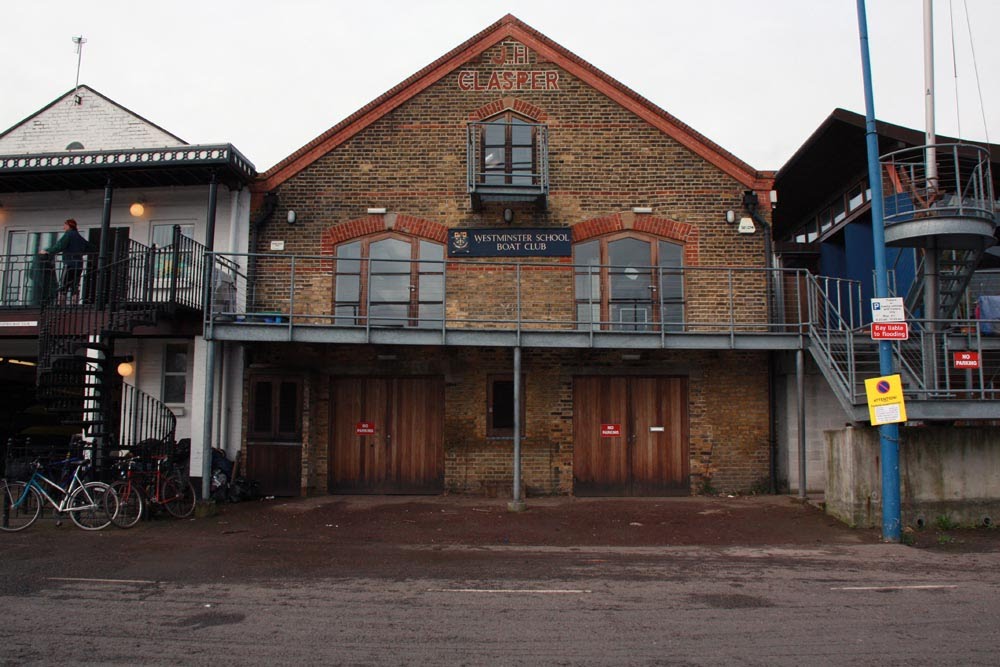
[{"x": 888, "y": 433}]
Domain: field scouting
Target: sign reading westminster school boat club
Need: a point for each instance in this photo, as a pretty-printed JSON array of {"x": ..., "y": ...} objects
[
  {"x": 511, "y": 53},
  {"x": 506, "y": 242}
]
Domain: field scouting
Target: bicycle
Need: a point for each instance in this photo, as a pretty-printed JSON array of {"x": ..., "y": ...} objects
[
  {"x": 90, "y": 505},
  {"x": 138, "y": 490}
]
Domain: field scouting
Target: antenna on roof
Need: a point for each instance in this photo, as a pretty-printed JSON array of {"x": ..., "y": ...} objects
[{"x": 79, "y": 41}]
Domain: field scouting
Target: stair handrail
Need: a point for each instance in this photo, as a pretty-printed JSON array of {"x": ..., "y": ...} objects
[{"x": 143, "y": 417}]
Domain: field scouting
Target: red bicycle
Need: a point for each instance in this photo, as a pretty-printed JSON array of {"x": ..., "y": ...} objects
[{"x": 139, "y": 489}]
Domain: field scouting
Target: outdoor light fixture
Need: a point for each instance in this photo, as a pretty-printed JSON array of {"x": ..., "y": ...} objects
[
  {"x": 508, "y": 215},
  {"x": 642, "y": 209},
  {"x": 730, "y": 216},
  {"x": 291, "y": 217},
  {"x": 137, "y": 208},
  {"x": 126, "y": 367},
  {"x": 377, "y": 210}
]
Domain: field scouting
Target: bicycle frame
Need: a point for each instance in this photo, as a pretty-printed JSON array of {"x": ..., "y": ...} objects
[{"x": 36, "y": 483}]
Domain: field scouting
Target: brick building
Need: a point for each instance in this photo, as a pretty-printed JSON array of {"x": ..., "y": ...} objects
[{"x": 509, "y": 257}]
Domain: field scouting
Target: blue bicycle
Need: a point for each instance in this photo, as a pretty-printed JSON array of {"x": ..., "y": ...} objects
[{"x": 91, "y": 505}]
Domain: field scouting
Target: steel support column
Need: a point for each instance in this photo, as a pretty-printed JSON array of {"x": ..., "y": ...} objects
[{"x": 517, "y": 504}]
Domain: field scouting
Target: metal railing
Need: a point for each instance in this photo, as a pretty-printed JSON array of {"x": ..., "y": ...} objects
[
  {"x": 143, "y": 418},
  {"x": 504, "y": 168},
  {"x": 309, "y": 290},
  {"x": 959, "y": 184}
]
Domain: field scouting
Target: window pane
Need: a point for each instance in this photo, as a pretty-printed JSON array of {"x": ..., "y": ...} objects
[
  {"x": 176, "y": 359},
  {"x": 389, "y": 314},
  {"x": 173, "y": 389},
  {"x": 521, "y": 159},
  {"x": 838, "y": 211},
  {"x": 495, "y": 134},
  {"x": 587, "y": 313},
  {"x": 520, "y": 133},
  {"x": 385, "y": 253},
  {"x": 348, "y": 288},
  {"x": 856, "y": 197},
  {"x": 390, "y": 288},
  {"x": 262, "y": 408},
  {"x": 163, "y": 235},
  {"x": 348, "y": 258},
  {"x": 288, "y": 394},
  {"x": 503, "y": 404},
  {"x": 431, "y": 254},
  {"x": 346, "y": 314},
  {"x": 431, "y": 288},
  {"x": 587, "y": 253},
  {"x": 671, "y": 254},
  {"x": 430, "y": 315},
  {"x": 671, "y": 286}
]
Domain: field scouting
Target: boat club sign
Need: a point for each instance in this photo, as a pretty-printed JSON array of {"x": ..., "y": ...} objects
[{"x": 506, "y": 242}]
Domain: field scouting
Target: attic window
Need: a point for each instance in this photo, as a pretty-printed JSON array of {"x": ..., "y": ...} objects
[{"x": 74, "y": 146}]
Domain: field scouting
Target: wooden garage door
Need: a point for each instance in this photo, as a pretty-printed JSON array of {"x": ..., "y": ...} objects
[
  {"x": 630, "y": 436},
  {"x": 387, "y": 435}
]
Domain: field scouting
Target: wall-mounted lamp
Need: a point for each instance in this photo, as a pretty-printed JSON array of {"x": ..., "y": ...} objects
[
  {"x": 642, "y": 209},
  {"x": 126, "y": 367},
  {"x": 730, "y": 216},
  {"x": 137, "y": 208},
  {"x": 508, "y": 215},
  {"x": 377, "y": 210},
  {"x": 291, "y": 217}
]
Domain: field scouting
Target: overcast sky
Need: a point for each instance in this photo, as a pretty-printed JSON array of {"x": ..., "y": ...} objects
[{"x": 755, "y": 76}]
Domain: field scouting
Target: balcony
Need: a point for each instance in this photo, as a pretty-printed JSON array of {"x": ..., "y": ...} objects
[
  {"x": 555, "y": 304},
  {"x": 508, "y": 162},
  {"x": 939, "y": 195}
]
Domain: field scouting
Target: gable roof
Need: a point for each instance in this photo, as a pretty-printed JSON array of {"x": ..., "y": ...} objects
[
  {"x": 510, "y": 27},
  {"x": 74, "y": 91}
]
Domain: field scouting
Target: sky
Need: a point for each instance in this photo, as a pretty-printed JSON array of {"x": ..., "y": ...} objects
[{"x": 755, "y": 76}]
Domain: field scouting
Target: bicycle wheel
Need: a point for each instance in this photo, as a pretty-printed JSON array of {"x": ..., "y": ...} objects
[
  {"x": 19, "y": 505},
  {"x": 178, "y": 496},
  {"x": 130, "y": 503},
  {"x": 93, "y": 506}
]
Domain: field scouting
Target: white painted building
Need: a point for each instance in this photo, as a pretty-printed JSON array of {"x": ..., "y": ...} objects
[{"x": 122, "y": 177}]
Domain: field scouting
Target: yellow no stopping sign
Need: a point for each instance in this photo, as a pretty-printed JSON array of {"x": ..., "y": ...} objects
[{"x": 885, "y": 400}]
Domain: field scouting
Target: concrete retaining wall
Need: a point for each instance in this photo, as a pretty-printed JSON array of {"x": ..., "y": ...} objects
[{"x": 944, "y": 472}]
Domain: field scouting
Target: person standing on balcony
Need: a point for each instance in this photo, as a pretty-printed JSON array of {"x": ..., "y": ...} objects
[{"x": 72, "y": 245}]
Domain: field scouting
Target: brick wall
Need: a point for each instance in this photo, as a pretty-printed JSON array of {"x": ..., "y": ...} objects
[
  {"x": 727, "y": 410},
  {"x": 604, "y": 160}
]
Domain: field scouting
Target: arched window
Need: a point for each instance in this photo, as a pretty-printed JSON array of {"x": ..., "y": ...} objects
[
  {"x": 390, "y": 280},
  {"x": 629, "y": 282},
  {"x": 508, "y": 153}
]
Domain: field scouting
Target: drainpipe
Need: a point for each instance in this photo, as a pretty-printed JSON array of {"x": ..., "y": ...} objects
[
  {"x": 206, "y": 442},
  {"x": 751, "y": 203},
  {"x": 102, "y": 257}
]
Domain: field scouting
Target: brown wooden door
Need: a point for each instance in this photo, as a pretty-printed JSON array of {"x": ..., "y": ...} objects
[
  {"x": 630, "y": 436},
  {"x": 387, "y": 435},
  {"x": 274, "y": 435}
]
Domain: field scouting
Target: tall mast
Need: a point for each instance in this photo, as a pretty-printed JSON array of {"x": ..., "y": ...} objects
[{"x": 932, "y": 302}]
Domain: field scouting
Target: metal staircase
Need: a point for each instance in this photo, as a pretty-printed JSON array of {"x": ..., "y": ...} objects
[
  {"x": 841, "y": 345},
  {"x": 955, "y": 270},
  {"x": 77, "y": 369}
]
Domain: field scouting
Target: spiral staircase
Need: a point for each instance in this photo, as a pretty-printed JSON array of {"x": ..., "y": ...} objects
[{"x": 77, "y": 375}]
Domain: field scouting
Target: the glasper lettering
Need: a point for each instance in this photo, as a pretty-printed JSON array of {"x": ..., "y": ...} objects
[{"x": 508, "y": 80}]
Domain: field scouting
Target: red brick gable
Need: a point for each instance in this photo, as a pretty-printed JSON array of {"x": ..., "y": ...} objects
[{"x": 509, "y": 27}]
